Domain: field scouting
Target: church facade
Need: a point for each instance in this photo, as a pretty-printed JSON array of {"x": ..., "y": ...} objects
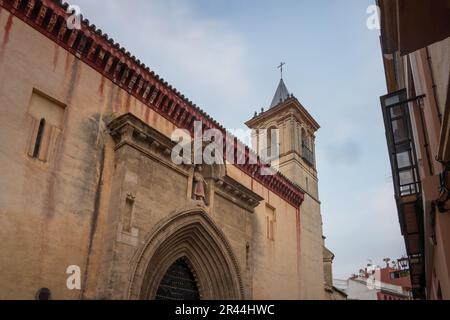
[{"x": 92, "y": 205}]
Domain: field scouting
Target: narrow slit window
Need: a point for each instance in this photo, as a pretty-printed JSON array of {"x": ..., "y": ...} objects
[
  {"x": 272, "y": 230},
  {"x": 247, "y": 256},
  {"x": 127, "y": 219},
  {"x": 270, "y": 223},
  {"x": 45, "y": 122},
  {"x": 38, "y": 142}
]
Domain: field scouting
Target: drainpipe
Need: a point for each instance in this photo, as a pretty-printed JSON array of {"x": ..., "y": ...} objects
[
  {"x": 433, "y": 85},
  {"x": 425, "y": 136}
]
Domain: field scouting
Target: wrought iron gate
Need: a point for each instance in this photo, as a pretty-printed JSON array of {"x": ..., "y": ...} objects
[{"x": 178, "y": 283}]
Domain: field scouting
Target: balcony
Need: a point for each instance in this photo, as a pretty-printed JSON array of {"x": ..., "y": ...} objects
[{"x": 407, "y": 184}]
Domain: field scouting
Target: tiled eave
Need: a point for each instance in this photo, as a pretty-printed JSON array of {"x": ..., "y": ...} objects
[{"x": 103, "y": 54}]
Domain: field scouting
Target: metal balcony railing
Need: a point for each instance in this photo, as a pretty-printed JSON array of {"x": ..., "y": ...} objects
[{"x": 308, "y": 155}]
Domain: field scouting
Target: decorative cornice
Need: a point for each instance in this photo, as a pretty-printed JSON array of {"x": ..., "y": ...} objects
[
  {"x": 291, "y": 102},
  {"x": 238, "y": 193},
  {"x": 132, "y": 131},
  {"x": 103, "y": 54}
]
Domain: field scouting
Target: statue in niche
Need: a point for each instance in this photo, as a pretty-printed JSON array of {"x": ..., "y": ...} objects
[{"x": 199, "y": 189}]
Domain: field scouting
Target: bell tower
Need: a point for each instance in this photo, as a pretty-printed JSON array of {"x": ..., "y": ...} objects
[
  {"x": 285, "y": 135},
  {"x": 287, "y": 127}
]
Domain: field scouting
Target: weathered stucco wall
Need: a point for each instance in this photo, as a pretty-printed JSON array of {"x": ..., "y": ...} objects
[
  {"x": 312, "y": 277},
  {"x": 47, "y": 210}
]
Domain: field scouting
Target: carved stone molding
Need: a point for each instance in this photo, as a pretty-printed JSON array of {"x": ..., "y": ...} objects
[
  {"x": 193, "y": 235},
  {"x": 238, "y": 194},
  {"x": 130, "y": 130}
]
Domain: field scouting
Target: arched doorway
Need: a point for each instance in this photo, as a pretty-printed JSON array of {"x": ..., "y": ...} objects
[
  {"x": 178, "y": 283},
  {"x": 190, "y": 243}
]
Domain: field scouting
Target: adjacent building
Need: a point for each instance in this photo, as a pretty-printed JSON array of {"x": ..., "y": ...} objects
[
  {"x": 332, "y": 292},
  {"x": 376, "y": 283},
  {"x": 416, "y": 53}
]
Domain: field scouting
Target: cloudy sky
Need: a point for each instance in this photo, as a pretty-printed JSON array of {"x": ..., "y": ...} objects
[{"x": 223, "y": 54}]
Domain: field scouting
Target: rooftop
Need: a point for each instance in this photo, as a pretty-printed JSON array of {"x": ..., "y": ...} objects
[{"x": 281, "y": 95}]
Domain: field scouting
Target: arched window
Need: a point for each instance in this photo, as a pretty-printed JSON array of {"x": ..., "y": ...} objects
[
  {"x": 178, "y": 283},
  {"x": 272, "y": 142},
  {"x": 44, "y": 294},
  {"x": 305, "y": 139},
  {"x": 307, "y": 148}
]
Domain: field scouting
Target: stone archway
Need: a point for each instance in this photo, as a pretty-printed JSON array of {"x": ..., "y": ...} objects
[{"x": 193, "y": 237}]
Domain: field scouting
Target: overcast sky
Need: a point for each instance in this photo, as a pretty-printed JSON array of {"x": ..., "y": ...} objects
[{"x": 222, "y": 54}]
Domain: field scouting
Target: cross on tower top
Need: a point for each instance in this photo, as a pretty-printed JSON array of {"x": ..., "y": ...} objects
[{"x": 281, "y": 68}]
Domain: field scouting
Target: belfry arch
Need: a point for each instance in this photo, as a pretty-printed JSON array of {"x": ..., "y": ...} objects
[{"x": 192, "y": 238}]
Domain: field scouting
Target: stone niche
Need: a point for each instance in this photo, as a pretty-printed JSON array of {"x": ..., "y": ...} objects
[{"x": 154, "y": 220}]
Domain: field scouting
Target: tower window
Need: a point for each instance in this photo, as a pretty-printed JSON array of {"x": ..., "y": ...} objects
[
  {"x": 272, "y": 146},
  {"x": 307, "y": 149},
  {"x": 38, "y": 142}
]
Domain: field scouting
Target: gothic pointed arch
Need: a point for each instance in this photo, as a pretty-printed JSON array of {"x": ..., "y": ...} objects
[{"x": 194, "y": 238}]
